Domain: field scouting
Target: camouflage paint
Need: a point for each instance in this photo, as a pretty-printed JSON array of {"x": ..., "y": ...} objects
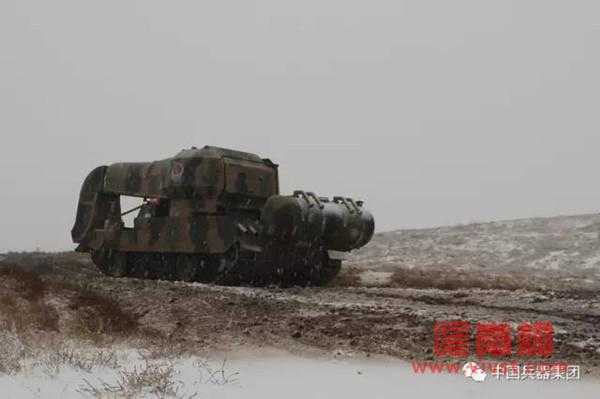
[{"x": 215, "y": 198}]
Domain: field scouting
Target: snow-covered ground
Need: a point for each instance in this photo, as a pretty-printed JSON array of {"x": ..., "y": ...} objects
[
  {"x": 276, "y": 374},
  {"x": 514, "y": 271},
  {"x": 567, "y": 245}
]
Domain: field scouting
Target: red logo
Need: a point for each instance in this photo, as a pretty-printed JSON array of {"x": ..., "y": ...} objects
[
  {"x": 535, "y": 339},
  {"x": 453, "y": 338}
]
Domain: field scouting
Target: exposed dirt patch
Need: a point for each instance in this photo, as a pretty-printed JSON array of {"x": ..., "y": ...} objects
[
  {"x": 36, "y": 305},
  {"x": 98, "y": 314},
  {"x": 189, "y": 317}
]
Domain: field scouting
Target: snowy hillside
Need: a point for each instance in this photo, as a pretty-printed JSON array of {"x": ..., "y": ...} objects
[{"x": 565, "y": 246}]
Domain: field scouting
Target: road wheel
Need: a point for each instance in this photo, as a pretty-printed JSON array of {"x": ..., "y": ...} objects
[
  {"x": 100, "y": 257},
  {"x": 118, "y": 264},
  {"x": 185, "y": 268},
  {"x": 110, "y": 262}
]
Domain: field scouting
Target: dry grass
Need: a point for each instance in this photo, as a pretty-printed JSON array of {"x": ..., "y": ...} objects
[
  {"x": 26, "y": 304},
  {"x": 29, "y": 285},
  {"x": 452, "y": 279},
  {"x": 21, "y": 302},
  {"x": 44, "y": 302},
  {"x": 72, "y": 264},
  {"x": 97, "y": 315},
  {"x": 216, "y": 376},
  {"x": 149, "y": 380},
  {"x": 157, "y": 378},
  {"x": 37, "y": 313},
  {"x": 159, "y": 347},
  {"x": 82, "y": 359},
  {"x": 447, "y": 278},
  {"x": 12, "y": 351}
]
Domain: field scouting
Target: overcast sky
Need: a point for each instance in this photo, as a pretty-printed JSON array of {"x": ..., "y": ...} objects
[{"x": 433, "y": 112}]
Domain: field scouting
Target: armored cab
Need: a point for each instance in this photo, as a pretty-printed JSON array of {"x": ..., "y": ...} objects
[{"x": 215, "y": 215}]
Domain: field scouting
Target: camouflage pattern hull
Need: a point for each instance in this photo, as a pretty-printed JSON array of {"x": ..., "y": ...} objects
[{"x": 215, "y": 215}]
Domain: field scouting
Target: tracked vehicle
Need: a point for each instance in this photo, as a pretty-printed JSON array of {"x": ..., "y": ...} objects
[{"x": 215, "y": 215}]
